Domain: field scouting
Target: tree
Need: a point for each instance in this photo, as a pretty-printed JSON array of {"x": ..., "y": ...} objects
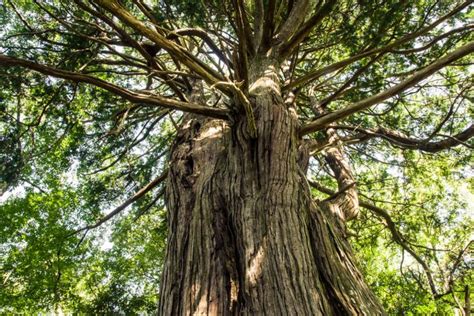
[{"x": 245, "y": 110}]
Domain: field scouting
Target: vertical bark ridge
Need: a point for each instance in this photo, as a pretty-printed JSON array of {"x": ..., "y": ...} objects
[
  {"x": 245, "y": 237},
  {"x": 279, "y": 273},
  {"x": 197, "y": 275},
  {"x": 346, "y": 288}
]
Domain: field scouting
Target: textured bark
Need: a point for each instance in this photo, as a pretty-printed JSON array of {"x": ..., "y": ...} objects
[{"x": 244, "y": 235}]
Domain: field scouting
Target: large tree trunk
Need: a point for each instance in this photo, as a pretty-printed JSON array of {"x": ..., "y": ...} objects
[{"x": 245, "y": 236}]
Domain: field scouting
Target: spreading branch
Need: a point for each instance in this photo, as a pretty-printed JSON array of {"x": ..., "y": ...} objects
[
  {"x": 296, "y": 17},
  {"x": 403, "y": 141},
  {"x": 134, "y": 97},
  {"x": 387, "y": 48},
  {"x": 321, "y": 122},
  {"x": 174, "y": 49},
  {"x": 268, "y": 24},
  {"x": 306, "y": 28}
]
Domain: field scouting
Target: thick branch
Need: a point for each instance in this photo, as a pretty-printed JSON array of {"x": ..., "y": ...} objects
[
  {"x": 306, "y": 28},
  {"x": 174, "y": 49},
  {"x": 243, "y": 46},
  {"x": 411, "y": 143},
  {"x": 268, "y": 24},
  {"x": 294, "y": 20},
  {"x": 418, "y": 76},
  {"x": 258, "y": 24},
  {"x": 345, "y": 205},
  {"x": 343, "y": 63},
  {"x": 124, "y": 93}
]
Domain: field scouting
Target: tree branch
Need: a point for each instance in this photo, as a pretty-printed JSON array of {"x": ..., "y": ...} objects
[
  {"x": 205, "y": 37},
  {"x": 258, "y": 18},
  {"x": 124, "y": 205},
  {"x": 323, "y": 104},
  {"x": 268, "y": 24},
  {"x": 343, "y": 63},
  {"x": 411, "y": 143},
  {"x": 174, "y": 49},
  {"x": 297, "y": 15},
  {"x": 306, "y": 28},
  {"x": 321, "y": 122},
  {"x": 397, "y": 237},
  {"x": 124, "y": 93},
  {"x": 434, "y": 41},
  {"x": 243, "y": 45}
]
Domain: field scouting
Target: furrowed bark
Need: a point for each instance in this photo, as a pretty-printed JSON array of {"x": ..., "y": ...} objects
[{"x": 245, "y": 237}]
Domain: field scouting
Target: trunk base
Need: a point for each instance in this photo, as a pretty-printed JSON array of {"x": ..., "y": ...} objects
[{"x": 244, "y": 235}]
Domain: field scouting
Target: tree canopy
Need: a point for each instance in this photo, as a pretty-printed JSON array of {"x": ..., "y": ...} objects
[{"x": 93, "y": 92}]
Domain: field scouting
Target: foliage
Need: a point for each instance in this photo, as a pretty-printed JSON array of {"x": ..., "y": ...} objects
[{"x": 71, "y": 152}]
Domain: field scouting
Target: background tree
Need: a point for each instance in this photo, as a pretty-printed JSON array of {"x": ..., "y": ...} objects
[{"x": 263, "y": 138}]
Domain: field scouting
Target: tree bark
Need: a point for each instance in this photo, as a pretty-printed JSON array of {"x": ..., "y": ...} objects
[{"x": 245, "y": 237}]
